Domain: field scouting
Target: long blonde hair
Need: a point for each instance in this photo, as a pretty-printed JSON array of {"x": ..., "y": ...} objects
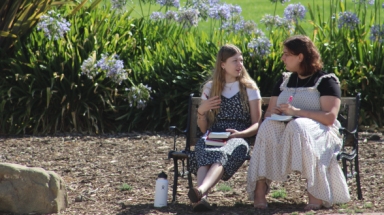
[{"x": 218, "y": 80}]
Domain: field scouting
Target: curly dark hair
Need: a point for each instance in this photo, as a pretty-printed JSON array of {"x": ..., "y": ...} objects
[{"x": 300, "y": 44}]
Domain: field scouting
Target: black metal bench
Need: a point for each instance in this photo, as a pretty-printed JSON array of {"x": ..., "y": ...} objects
[{"x": 348, "y": 117}]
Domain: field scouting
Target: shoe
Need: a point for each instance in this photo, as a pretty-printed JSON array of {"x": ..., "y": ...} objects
[
  {"x": 202, "y": 205},
  {"x": 310, "y": 207},
  {"x": 194, "y": 195}
]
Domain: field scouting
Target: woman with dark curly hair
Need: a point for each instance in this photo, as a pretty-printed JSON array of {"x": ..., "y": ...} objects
[{"x": 300, "y": 132}]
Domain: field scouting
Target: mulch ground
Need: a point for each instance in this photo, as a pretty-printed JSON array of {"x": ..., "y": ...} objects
[{"x": 116, "y": 174}]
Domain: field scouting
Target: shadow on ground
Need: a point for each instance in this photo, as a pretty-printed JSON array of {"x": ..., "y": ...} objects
[{"x": 181, "y": 208}]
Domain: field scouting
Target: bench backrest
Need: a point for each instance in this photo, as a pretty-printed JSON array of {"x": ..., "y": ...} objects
[{"x": 348, "y": 116}]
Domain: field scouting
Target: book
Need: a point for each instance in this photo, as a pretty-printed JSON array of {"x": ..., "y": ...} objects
[
  {"x": 219, "y": 135},
  {"x": 215, "y": 142},
  {"x": 280, "y": 117},
  {"x": 216, "y": 138}
]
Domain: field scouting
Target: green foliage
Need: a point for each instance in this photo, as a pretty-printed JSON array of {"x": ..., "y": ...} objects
[
  {"x": 18, "y": 18},
  {"x": 224, "y": 187},
  {"x": 125, "y": 187},
  {"x": 279, "y": 194},
  {"x": 368, "y": 205}
]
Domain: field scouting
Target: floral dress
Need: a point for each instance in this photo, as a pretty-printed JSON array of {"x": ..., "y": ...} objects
[
  {"x": 302, "y": 145},
  {"x": 235, "y": 152}
]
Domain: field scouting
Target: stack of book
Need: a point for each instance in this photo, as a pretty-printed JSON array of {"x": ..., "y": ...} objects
[{"x": 217, "y": 138}]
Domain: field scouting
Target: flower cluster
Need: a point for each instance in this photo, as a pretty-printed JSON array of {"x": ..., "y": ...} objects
[
  {"x": 138, "y": 95},
  {"x": 155, "y": 16},
  {"x": 190, "y": 14},
  {"x": 224, "y": 11},
  {"x": 276, "y": 21},
  {"x": 53, "y": 25},
  {"x": 88, "y": 67},
  {"x": 370, "y": 2},
  {"x": 243, "y": 26},
  {"x": 348, "y": 19},
  {"x": 118, "y": 4},
  {"x": 169, "y": 3},
  {"x": 295, "y": 12},
  {"x": 281, "y": 1},
  {"x": 111, "y": 66},
  {"x": 172, "y": 15},
  {"x": 377, "y": 33},
  {"x": 186, "y": 16},
  {"x": 260, "y": 46},
  {"x": 189, "y": 17}
]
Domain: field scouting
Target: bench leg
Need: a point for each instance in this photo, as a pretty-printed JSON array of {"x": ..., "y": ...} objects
[
  {"x": 175, "y": 177},
  {"x": 189, "y": 175},
  {"x": 344, "y": 162},
  {"x": 359, "y": 193}
]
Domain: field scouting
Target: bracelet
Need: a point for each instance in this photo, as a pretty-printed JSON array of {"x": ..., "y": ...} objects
[{"x": 200, "y": 114}]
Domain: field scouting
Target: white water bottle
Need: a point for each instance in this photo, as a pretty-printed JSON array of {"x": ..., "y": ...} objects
[{"x": 161, "y": 192}]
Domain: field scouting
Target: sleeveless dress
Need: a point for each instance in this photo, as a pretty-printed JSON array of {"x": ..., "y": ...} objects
[
  {"x": 236, "y": 151},
  {"x": 302, "y": 145}
]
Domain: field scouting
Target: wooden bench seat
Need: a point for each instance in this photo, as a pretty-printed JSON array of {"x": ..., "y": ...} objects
[{"x": 348, "y": 117}]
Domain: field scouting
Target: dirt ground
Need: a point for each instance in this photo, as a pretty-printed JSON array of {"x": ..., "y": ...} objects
[{"x": 116, "y": 174}]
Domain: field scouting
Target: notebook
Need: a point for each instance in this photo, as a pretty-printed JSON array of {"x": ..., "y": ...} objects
[{"x": 280, "y": 117}]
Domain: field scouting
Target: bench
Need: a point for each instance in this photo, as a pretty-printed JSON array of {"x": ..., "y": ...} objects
[{"x": 348, "y": 117}]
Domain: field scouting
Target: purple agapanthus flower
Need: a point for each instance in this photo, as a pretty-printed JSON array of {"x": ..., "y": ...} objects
[
  {"x": 220, "y": 12},
  {"x": 281, "y": 1},
  {"x": 295, "y": 12},
  {"x": 348, "y": 19},
  {"x": 157, "y": 16},
  {"x": 377, "y": 33},
  {"x": 53, "y": 25},
  {"x": 189, "y": 16},
  {"x": 260, "y": 46},
  {"x": 169, "y": 3}
]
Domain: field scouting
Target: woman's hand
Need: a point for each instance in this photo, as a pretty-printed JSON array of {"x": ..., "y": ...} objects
[
  {"x": 287, "y": 109},
  {"x": 234, "y": 133},
  {"x": 209, "y": 104},
  {"x": 276, "y": 110}
]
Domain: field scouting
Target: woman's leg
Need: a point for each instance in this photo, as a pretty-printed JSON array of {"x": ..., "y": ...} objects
[
  {"x": 260, "y": 200},
  {"x": 213, "y": 175},
  {"x": 201, "y": 174},
  {"x": 313, "y": 203}
]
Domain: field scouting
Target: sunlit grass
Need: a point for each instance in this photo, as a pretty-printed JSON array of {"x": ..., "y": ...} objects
[{"x": 256, "y": 9}]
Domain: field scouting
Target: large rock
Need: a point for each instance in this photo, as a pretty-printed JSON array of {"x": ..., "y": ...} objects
[{"x": 31, "y": 190}]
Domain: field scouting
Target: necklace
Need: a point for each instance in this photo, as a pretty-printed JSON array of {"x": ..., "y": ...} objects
[
  {"x": 230, "y": 87},
  {"x": 297, "y": 82}
]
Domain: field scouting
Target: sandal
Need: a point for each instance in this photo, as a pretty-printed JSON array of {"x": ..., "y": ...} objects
[
  {"x": 202, "y": 205},
  {"x": 310, "y": 207},
  {"x": 194, "y": 195}
]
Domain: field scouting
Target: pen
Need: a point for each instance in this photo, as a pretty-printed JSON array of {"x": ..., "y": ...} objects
[{"x": 290, "y": 100}]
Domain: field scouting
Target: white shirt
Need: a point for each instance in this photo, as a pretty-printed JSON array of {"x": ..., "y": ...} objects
[{"x": 230, "y": 90}]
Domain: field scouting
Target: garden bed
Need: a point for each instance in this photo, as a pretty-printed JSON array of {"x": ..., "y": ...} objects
[{"x": 116, "y": 174}]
